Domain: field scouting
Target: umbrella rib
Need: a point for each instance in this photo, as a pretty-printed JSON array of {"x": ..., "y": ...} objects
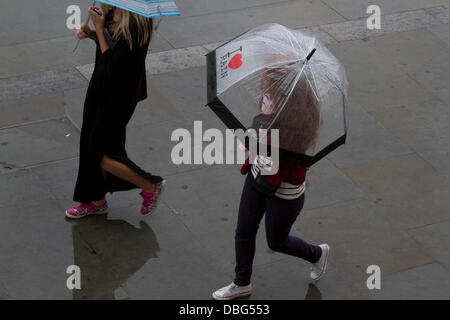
[{"x": 288, "y": 96}]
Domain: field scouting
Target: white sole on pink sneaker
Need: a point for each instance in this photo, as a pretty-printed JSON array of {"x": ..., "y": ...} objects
[{"x": 90, "y": 214}]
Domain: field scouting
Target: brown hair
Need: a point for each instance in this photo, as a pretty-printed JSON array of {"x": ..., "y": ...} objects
[{"x": 298, "y": 122}]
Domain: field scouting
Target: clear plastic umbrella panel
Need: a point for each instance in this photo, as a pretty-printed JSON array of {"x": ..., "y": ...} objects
[{"x": 273, "y": 77}]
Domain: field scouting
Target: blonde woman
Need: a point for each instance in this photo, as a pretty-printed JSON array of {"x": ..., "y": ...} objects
[{"x": 117, "y": 85}]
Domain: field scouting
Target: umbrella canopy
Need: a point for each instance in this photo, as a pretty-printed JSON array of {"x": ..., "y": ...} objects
[
  {"x": 146, "y": 8},
  {"x": 276, "y": 78}
]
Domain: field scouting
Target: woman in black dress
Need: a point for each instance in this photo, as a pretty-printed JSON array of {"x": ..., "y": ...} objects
[{"x": 117, "y": 85}]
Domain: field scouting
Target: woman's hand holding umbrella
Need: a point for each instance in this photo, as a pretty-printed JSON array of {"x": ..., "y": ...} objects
[
  {"x": 85, "y": 32},
  {"x": 98, "y": 18}
]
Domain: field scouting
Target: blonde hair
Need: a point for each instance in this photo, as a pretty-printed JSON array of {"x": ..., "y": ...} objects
[{"x": 121, "y": 29}]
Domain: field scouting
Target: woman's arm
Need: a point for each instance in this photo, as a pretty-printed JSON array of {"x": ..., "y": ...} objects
[
  {"x": 99, "y": 23},
  {"x": 85, "y": 32}
]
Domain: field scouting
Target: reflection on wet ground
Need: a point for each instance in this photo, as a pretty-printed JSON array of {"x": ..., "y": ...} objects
[
  {"x": 109, "y": 252},
  {"x": 313, "y": 293}
]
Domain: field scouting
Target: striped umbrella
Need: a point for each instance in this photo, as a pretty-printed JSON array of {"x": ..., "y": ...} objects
[{"x": 146, "y": 8}]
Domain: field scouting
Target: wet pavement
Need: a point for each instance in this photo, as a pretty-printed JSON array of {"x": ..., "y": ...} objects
[{"x": 382, "y": 199}]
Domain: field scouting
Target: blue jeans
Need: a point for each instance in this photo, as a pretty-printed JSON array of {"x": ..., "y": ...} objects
[{"x": 280, "y": 216}]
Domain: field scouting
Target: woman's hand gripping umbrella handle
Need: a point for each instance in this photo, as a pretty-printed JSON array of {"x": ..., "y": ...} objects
[{"x": 87, "y": 22}]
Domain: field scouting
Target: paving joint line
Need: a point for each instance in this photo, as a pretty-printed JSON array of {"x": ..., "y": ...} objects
[
  {"x": 24, "y": 124},
  {"x": 36, "y": 165}
]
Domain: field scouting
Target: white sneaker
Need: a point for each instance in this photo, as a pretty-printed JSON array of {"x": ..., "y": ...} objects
[
  {"x": 232, "y": 291},
  {"x": 319, "y": 268}
]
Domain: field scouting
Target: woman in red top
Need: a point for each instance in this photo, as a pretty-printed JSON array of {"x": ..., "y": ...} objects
[{"x": 281, "y": 196}]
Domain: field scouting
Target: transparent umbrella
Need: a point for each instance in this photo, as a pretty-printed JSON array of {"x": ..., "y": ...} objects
[{"x": 273, "y": 77}]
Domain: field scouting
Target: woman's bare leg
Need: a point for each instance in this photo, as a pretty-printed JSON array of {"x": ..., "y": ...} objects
[{"x": 125, "y": 173}]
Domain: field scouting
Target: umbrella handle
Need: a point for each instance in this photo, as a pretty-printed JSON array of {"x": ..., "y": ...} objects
[
  {"x": 87, "y": 22},
  {"x": 311, "y": 54}
]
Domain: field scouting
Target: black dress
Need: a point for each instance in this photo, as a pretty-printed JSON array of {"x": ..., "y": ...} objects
[{"x": 117, "y": 85}]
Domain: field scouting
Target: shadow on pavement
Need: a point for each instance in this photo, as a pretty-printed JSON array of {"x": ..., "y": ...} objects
[
  {"x": 108, "y": 253},
  {"x": 313, "y": 293}
]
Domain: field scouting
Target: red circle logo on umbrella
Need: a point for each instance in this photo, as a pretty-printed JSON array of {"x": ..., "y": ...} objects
[{"x": 236, "y": 61}]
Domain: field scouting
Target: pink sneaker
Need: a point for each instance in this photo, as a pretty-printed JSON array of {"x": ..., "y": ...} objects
[
  {"x": 84, "y": 210},
  {"x": 151, "y": 199}
]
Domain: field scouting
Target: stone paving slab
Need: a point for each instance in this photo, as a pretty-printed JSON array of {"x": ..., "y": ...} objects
[
  {"x": 441, "y": 13},
  {"x": 159, "y": 43},
  {"x": 366, "y": 70},
  {"x": 357, "y": 9},
  {"x": 44, "y": 21},
  {"x": 185, "y": 89},
  {"x": 357, "y": 150},
  {"x": 317, "y": 32},
  {"x": 425, "y": 128},
  {"x": 357, "y": 29},
  {"x": 39, "y": 250},
  {"x": 428, "y": 282},
  {"x": 157, "y": 108},
  {"x": 360, "y": 235},
  {"x": 44, "y": 55},
  {"x": 13, "y": 188},
  {"x": 439, "y": 160},
  {"x": 40, "y": 142},
  {"x": 404, "y": 50},
  {"x": 31, "y": 109},
  {"x": 411, "y": 191},
  {"x": 442, "y": 32},
  {"x": 164, "y": 62},
  {"x": 327, "y": 185},
  {"x": 191, "y": 31},
  {"x": 435, "y": 239},
  {"x": 270, "y": 282},
  {"x": 74, "y": 104},
  {"x": 59, "y": 179},
  {"x": 401, "y": 90},
  {"x": 177, "y": 59},
  {"x": 40, "y": 83},
  {"x": 3, "y": 293}
]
